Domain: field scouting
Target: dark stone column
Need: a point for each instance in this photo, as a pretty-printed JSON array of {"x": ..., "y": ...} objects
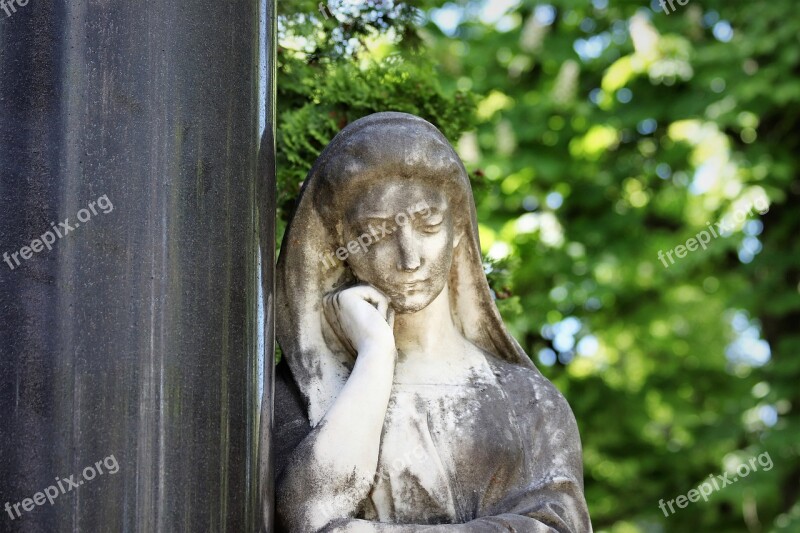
[{"x": 147, "y": 127}]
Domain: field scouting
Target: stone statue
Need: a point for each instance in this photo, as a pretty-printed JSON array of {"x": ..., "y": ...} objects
[{"x": 402, "y": 403}]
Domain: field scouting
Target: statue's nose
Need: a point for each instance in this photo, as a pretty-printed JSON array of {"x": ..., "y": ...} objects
[{"x": 409, "y": 260}]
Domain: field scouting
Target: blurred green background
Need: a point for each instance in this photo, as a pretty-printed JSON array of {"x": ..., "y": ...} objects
[{"x": 598, "y": 133}]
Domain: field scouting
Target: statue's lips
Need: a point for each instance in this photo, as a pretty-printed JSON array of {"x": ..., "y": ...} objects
[{"x": 405, "y": 287}]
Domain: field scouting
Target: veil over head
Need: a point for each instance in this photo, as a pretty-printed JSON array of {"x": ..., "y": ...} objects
[{"x": 382, "y": 146}]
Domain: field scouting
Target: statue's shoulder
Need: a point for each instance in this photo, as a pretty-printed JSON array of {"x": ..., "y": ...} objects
[{"x": 526, "y": 387}]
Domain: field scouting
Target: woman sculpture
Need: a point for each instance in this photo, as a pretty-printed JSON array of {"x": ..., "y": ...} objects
[{"x": 406, "y": 405}]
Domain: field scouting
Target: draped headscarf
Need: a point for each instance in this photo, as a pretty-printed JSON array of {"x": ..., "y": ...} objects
[{"x": 382, "y": 146}]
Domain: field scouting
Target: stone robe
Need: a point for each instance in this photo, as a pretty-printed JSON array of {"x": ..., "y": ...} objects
[{"x": 500, "y": 452}]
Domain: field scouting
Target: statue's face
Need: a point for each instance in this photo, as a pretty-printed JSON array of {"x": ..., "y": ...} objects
[{"x": 406, "y": 235}]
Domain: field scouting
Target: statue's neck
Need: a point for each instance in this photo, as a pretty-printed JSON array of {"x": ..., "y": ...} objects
[
  {"x": 430, "y": 330},
  {"x": 431, "y": 349}
]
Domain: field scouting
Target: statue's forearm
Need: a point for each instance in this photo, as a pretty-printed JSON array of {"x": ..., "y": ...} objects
[{"x": 332, "y": 470}]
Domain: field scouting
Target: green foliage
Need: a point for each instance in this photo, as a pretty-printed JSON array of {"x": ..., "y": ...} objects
[
  {"x": 345, "y": 92},
  {"x": 605, "y": 133},
  {"x": 319, "y": 93}
]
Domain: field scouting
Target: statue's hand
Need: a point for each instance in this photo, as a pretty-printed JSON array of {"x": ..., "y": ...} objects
[{"x": 361, "y": 316}]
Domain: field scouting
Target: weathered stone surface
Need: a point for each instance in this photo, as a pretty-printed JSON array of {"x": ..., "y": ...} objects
[{"x": 402, "y": 401}]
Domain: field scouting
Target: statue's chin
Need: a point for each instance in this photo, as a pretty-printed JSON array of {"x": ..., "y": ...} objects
[
  {"x": 408, "y": 309},
  {"x": 408, "y": 305}
]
